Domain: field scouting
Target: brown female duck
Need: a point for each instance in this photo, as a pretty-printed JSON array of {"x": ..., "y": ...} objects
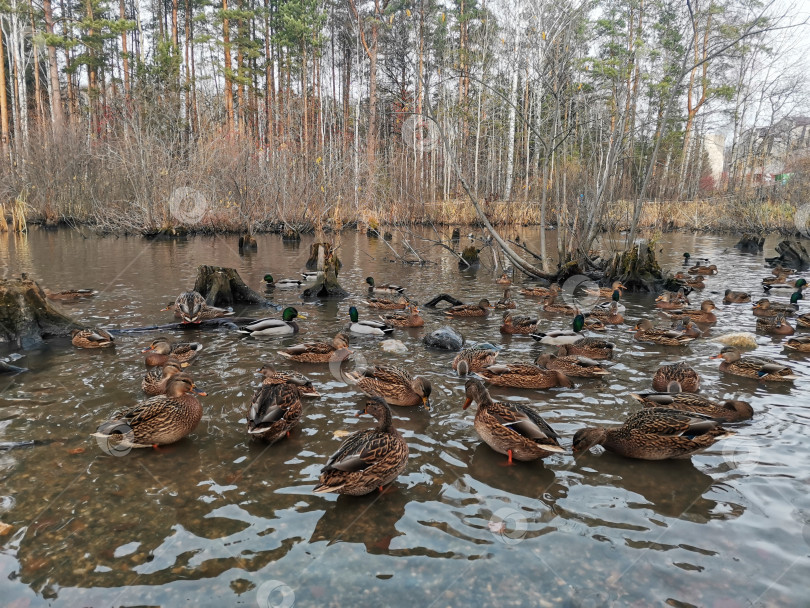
[
  {"x": 757, "y": 368},
  {"x": 91, "y": 338},
  {"x": 393, "y": 384},
  {"x": 765, "y": 308},
  {"x": 573, "y": 366},
  {"x": 541, "y": 292},
  {"x": 775, "y": 326},
  {"x": 645, "y": 332},
  {"x": 654, "y": 434},
  {"x": 408, "y": 318},
  {"x": 512, "y": 429},
  {"x": 156, "y": 380},
  {"x": 476, "y": 357},
  {"x": 506, "y": 302},
  {"x": 161, "y": 350},
  {"x": 470, "y": 310},
  {"x": 607, "y": 292},
  {"x": 801, "y": 344},
  {"x": 595, "y": 348},
  {"x": 736, "y": 297},
  {"x": 518, "y": 324},
  {"x": 523, "y": 375},
  {"x": 550, "y": 304},
  {"x": 687, "y": 378},
  {"x": 726, "y": 411},
  {"x": 272, "y": 376},
  {"x": 704, "y": 315},
  {"x": 504, "y": 279},
  {"x": 611, "y": 316},
  {"x": 190, "y": 307},
  {"x": 319, "y": 352},
  {"x": 704, "y": 270},
  {"x": 274, "y": 410},
  {"x": 386, "y": 304},
  {"x": 367, "y": 460}
]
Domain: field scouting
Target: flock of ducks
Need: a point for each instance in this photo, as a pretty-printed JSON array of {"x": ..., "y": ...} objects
[{"x": 674, "y": 422}]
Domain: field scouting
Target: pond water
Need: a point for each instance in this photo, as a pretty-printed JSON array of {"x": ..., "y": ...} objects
[{"x": 222, "y": 521}]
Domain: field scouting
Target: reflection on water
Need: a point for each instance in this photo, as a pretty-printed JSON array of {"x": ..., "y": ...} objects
[{"x": 224, "y": 520}]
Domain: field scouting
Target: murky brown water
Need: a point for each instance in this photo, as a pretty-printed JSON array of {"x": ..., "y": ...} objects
[{"x": 221, "y": 521}]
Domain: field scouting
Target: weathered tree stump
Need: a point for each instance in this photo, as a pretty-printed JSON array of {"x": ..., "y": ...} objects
[
  {"x": 224, "y": 287},
  {"x": 750, "y": 243},
  {"x": 312, "y": 262},
  {"x": 636, "y": 268},
  {"x": 792, "y": 254},
  {"x": 27, "y": 316},
  {"x": 469, "y": 258},
  {"x": 290, "y": 235},
  {"x": 326, "y": 285},
  {"x": 247, "y": 244}
]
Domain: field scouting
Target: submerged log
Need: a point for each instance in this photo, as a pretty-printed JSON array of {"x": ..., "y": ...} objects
[
  {"x": 224, "y": 287},
  {"x": 27, "y": 316},
  {"x": 443, "y": 297},
  {"x": 792, "y": 254},
  {"x": 750, "y": 243},
  {"x": 636, "y": 268}
]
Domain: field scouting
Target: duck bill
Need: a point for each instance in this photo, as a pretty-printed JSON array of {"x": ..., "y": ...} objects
[
  {"x": 200, "y": 393},
  {"x": 716, "y": 357},
  {"x": 426, "y": 403},
  {"x": 147, "y": 350},
  {"x": 301, "y": 315},
  {"x": 467, "y": 403}
]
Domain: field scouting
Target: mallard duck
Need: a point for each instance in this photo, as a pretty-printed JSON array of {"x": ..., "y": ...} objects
[
  {"x": 563, "y": 336},
  {"x": 550, "y": 305},
  {"x": 385, "y": 304},
  {"x": 91, "y": 338},
  {"x": 654, "y": 434},
  {"x": 572, "y": 366},
  {"x": 157, "y": 379},
  {"x": 736, "y": 297},
  {"x": 368, "y": 459},
  {"x": 704, "y": 315},
  {"x": 765, "y": 308},
  {"x": 319, "y": 352},
  {"x": 506, "y": 302},
  {"x": 669, "y": 300},
  {"x": 541, "y": 292},
  {"x": 367, "y": 328},
  {"x": 409, "y": 318},
  {"x": 758, "y": 368},
  {"x": 476, "y": 357},
  {"x": 594, "y": 324},
  {"x": 798, "y": 285},
  {"x": 645, "y": 332},
  {"x": 518, "y": 324},
  {"x": 374, "y": 288},
  {"x": 311, "y": 276},
  {"x": 607, "y": 292},
  {"x": 286, "y": 326},
  {"x": 776, "y": 326},
  {"x": 157, "y": 421},
  {"x": 688, "y": 259},
  {"x": 801, "y": 344},
  {"x": 803, "y": 320},
  {"x": 270, "y": 375},
  {"x": 504, "y": 279},
  {"x": 691, "y": 282},
  {"x": 274, "y": 410},
  {"x": 269, "y": 281},
  {"x": 781, "y": 270},
  {"x": 595, "y": 348},
  {"x": 512, "y": 429},
  {"x": 70, "y": 294},
  {"x": 688, "y": 379},
  {"x": 726, "y": 411},
  {"x": 609, "y": 316},
  {"x": 687, "y": 327},
  {"x": 470, "y": 310},
  {"x": 161, "y": 350},
  {"x": 190, "y": 307},
  {"x": 523, "y": 375},
  {"x": 705, "y": 270},
  {"x": 393, "y": 384}
]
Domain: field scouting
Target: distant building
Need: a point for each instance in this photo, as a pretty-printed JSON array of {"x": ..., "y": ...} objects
[
  {"x": 768, "y": 152},
  {"x": 714, "y": 146}
]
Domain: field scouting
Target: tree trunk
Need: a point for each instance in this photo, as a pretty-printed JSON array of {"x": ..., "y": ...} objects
[
  {"x": 510, "y": 137},
  {"x": 27, "y": 316},
  {"x": 224, "y": 287},
  {"x": 4, "y": 124},
  {"x": 328, "y": 265},
  {"x": 226, "y": 45}
]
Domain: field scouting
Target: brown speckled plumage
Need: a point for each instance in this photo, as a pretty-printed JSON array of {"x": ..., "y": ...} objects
[
  {"x": 274, "y": 410},
  {"x": 523, "y": 375}
]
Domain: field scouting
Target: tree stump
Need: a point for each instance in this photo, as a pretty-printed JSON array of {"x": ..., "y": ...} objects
[
  {"x": 750, "y": 243},
  {"x": 328, "y": 264},
  {"x": 224, "y": 287},
  {"x": 469, "y": 258},
  {"x": 792, "y": 254},
  {"x": 636, "y": 268},
  {"x": 247, "y": 244},
  {"x": 27, "y": 316},
  {"x": 312, "y": 262}
]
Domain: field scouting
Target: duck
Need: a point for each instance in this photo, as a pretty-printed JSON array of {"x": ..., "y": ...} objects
[
  {"x": 801, "y": 344},
  {"x": 506, "y": 302},
  {"x": 366, "y": 328},
  {"x": 731, "y": 410},
  {"x": 594, "y": 348},
  {"x": 670, "y": 300},
  {"x": 550, "y": 305},
  {"x": 190, "y": 307},
  {"x": 705, "y": 270},
  {"x": 654, "y": 433},
  {"x": 70, "y": 294},
  {"x": 688, "y": 379},
  {"x": 776, "y": 326},
  {"x": 157, "y": 421},
  {"x": 691, "y": 282},
  {"x": 311, "y": 276},
  {"x": 703, "y": 315},
  {"x": 157, "y": 379},
  {"x": 765, "y": 308},
  {"x": 373, "y": 288},
  {"x": 645, "y": 332},
  {"x": 408, "y": 318},
  {"x": 563, "y": 336},
  {"x": 523, "y": 375},
  {"x": 319, "y": 352},
  {"x": 385, "y": 304},
  {"x": 366, "y": 460},
  {"x": 270, "y": 282},
  {"x": 286, "y": 326},
  {"x": 783, "y": 281},
  {"x": 687, "y": 327},
  {"x": 274, "y": 411},
  {"x": 609, "y": 316},
  {"x": 541, "y": 292},
  {"x": 573, "y": 366},
  {"x": 736, "y": 297},
  {"x": 91, "y": 338},
  {"x": 512, "y": 429},
  {"x": 803, "y": 320},
  {"x": 594, "y": 324},
  {"x": 393, "y": 384},
  {"x": 161, "y": 350},
  {"x": 270, "y": 376},
  {"x": 757, "y": 368},
  {"x": 781, "y": 270},
  {"x": 470, "y": 310},
  {"x": 504, "y": 279},
  {"x": 518, "y": 324},
  {"x": 475, "y": 358},
  {"x": 687, "y": 259},
  {"x": 607, "y": 292}
]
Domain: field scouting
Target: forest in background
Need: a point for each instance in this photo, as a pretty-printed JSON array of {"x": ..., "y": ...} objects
[{"x": 303, "y": 113}]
